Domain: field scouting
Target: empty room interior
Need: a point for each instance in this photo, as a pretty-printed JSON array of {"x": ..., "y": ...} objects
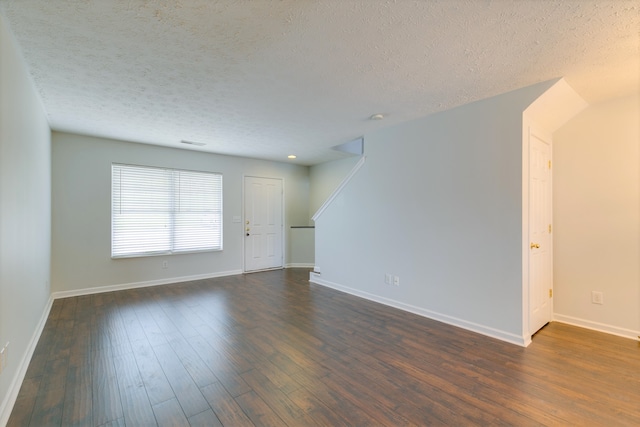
[{"x": 359, "y": 212}]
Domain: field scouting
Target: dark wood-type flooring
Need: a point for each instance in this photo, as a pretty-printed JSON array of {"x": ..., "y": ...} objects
[{"x": 271, "y": 349}]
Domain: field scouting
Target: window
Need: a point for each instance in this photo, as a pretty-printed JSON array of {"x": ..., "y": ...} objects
[{"x": 157, "y": 211}]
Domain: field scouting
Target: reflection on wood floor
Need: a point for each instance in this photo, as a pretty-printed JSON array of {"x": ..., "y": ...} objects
[{"x": 271, "y": 349}]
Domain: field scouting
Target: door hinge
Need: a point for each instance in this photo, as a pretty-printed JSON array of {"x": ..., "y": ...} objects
[
  {"x": 549, "y": 164},
  {"x": 549, "y": 228},
  {"x": 550, "y": 293}
]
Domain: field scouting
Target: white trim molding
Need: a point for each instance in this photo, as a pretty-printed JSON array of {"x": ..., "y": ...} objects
[
  {"x": 595, "y": 326},
  {"x": 300, "y": 265},
  {"x": 10, "y": 399},
  {"x": 450, "y": 320},
  {"x": 338, "y": 189},
  {"x": 168, "y": 281}
]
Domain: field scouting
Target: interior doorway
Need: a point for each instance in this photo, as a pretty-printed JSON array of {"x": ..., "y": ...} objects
[
  {"x": 263, "y": 224},
  {"x": 540, "y": 242}
]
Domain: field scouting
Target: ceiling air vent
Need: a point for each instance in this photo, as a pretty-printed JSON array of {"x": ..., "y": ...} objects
[{"x": 199, "y": 144}]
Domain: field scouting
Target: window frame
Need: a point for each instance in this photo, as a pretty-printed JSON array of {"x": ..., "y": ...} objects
[{"x": 173, "y": 211}]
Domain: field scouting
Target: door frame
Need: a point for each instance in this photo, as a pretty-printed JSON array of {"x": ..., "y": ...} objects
[
  {"x": 528, "y": 129},
  {"x": 244, "y": 225}
]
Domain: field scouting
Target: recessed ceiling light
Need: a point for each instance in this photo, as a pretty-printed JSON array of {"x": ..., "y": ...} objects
[
  {"x": 376, "y": 117},
  {"x": 291, "y": 156},
  {"x": 199, "y": 144}
]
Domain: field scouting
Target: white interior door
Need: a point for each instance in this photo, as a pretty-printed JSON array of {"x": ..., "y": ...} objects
[
  {"x": 540, "y": 242},
  {"x": 263, "y": 224}
]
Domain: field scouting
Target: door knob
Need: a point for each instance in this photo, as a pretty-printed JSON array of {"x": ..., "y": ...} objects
[{"x": 535, "y": 245}]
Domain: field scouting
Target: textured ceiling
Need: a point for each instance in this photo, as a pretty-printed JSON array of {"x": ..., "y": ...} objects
[{"x": 266, "y": 79}]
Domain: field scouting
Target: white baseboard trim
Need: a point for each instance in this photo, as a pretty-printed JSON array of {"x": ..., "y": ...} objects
[
  {"x": 10, "y": 399},
  {"x": 124, "y": 286},
  {"x": 595, "y": 326},
  {"x": 450, "y": 320},
  {"x": 300, "y": 265}
]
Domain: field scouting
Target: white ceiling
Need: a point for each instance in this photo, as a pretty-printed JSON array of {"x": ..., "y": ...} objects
[{"x": 268, "y": 78}]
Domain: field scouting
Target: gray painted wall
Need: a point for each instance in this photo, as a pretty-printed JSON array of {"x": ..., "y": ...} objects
[
  {"x": 325, "y": 178},
  {"x": 438, "y": 203},
  {"x": 82, "y": 219},
  {"x": 25, "y": 212}
]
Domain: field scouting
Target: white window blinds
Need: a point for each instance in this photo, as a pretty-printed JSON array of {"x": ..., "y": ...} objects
[{"x": 162, "y": 211}]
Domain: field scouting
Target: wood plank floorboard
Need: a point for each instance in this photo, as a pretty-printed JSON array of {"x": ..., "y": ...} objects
[{"x": 271, "y": 349}]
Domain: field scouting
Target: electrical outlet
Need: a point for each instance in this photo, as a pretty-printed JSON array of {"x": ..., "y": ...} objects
[
  {"x": 396, "y": 280},
  {"x": 388, "y": 279},
  {"x": 316, "y": 269},
  {"x": 165, "y": 264},
  {"x": 597, "y": 297}
]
